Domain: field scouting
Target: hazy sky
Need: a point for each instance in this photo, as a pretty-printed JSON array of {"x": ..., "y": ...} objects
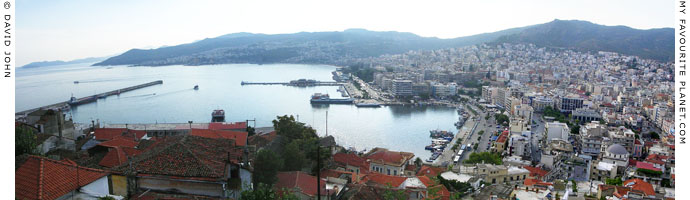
[{"x": 67, "y": 30}]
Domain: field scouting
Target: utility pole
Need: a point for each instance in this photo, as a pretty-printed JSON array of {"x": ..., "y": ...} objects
[
  {"x": 326, "y": 123},
  {"x": 318, "y": 171}
]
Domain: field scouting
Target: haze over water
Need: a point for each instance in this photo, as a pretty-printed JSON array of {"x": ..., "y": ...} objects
[{"x": 394, "y": 127}]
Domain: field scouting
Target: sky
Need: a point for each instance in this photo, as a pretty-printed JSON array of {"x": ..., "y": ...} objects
[{"x": 66, "y": 30}]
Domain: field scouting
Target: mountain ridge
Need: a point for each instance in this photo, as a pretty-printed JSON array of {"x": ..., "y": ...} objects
[{"x": 340, "y": 47}]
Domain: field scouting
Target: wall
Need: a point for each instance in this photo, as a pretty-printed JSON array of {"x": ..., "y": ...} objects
[{"x": 187, "y": 187}]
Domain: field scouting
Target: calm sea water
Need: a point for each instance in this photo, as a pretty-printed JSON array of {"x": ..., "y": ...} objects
[{"x": 396, "y": 127}]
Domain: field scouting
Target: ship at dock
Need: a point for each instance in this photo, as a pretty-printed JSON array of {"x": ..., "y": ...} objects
[
  {"x": 218, "y": 115},
  {"x": 318, "y": 98}
]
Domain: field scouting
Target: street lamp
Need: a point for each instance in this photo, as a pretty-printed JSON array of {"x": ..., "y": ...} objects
[{"x": 190, "y": 125}]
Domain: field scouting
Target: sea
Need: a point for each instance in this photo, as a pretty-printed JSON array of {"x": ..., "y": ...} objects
[{"x": 398, "y": 128}]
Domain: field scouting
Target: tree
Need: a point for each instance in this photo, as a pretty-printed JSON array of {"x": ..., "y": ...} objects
[
  {"x": 574, "y": 186},
  {"x": 263, "y": 191},
  {"x": 293, "y": 157},
  {"x": 266, "y": 167},
  {"x": 250, "y": 131},
  {"x": 654, "y": 135},
  {"x": 393, "y": 194},
  {"x": 616, "y": 181},
  {"x": 418, "y": 162},
  {"x": 487, "y": 157},
  {"x": 575, "y": 130},
  {"x": 288, "y": 127},
  {"x": 24, "y": 141}
]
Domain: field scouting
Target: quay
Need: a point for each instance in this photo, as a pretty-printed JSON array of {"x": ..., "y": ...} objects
[
  {"x": 298, "y": 83},
  {"x": 88, "y": 99}
]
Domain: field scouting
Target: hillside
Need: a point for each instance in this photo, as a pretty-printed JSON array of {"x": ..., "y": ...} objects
[{"x": 339, "y": 48}]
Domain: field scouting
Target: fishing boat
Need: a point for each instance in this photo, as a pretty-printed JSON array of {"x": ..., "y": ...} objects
[
  {"x": 218, "y": 116},
  {"x": 196, "y": 87}
]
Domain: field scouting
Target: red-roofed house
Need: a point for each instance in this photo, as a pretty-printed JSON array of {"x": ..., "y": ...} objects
[
  {"x": 301, "y": 184},
  {"x": 352, "y": 163},
  {"x": 383, "y": 161},
  {"x": 441, "y": 192},
  {"x": 44, "y": 178},
  {"x": 638, "y": 185},
  {"x": 429, "y": 171},
  {"x": 190, "y": 164},
  {"x": 117, "y": 156},
  {"x": 536, "y": 183},
  {"x": 536, "y": 173},
  {"x": 239, "y": 136},
  {"x": 500, "y": 143}
]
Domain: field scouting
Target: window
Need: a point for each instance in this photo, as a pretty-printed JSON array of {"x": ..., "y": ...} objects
[
  {"x": 395, "y": 172},
  {"x": 389, "y": 171}
]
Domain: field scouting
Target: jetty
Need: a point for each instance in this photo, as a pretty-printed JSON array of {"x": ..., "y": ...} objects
[
  {"x": 89, "y": 99},
  {"x": 298, "y": 83}
]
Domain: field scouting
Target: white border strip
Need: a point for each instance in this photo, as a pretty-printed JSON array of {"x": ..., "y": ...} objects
[
  {"x": 681, "y": 92},
  {"x": 7, "y": 95}
]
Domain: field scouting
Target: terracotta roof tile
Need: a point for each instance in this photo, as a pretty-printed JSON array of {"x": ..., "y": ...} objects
[
  {"x": 384, "y": 156},
  {"x": 239, "y": 136},
  {"x": 297, "y": 179},
  {"x": 186, "y": 156},
  {"x": 43, "y": 178},
  {"x": 383, "y": 180},
  {"x": 429, "y": 171},
  {"x": 104, "y": 134},
  {"x": 117, "y": 156},
  {"x": 640, "y": 185},
  {"x": 119, "y": 142}
]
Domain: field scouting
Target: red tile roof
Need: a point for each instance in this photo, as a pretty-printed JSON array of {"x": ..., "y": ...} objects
[
  {"x": 429, "y": 171},
  {"x": 297, "y": 179},
  {"x": 350, "y": 159},
  {"x": 186, "y": 156},
  {"x": 119, "y": 142},
  {"x": 336, "y": 174},
  {"x": 531, "y": 182},
  {"x": 43, "y": 178},
  {"x": 640, "y": 185},
  {"x": 384, "y": 156},
  {"x": 442, "y": 191},
  {"x": 104, "y": 134},
  {"x": 503, "y": 138},
  {"x": 646, "y": 165},
  {"x": 536, "y": 172},
  {"x": 117, "y": 156},
  {"x": 383, "y": 180},
  {"x": 227, "y": 126},
  {"x": 239, "y": 136}
]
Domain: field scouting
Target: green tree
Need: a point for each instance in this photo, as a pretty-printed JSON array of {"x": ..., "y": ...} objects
[
  {"x": 487, "y": 157},
  {"x": 250, "y": 131},
  {"x": 393, "y": 194},
  {"x": 575, "y": 129},
  {"x": 288, "y": 127},
  {"x": 655, "y": 135},
  {"x": 574, "y": 186},
  {"x": 310, "y": 147},
  {"x": 293, "y": 157},
  {"x": 418, "y": 162},
  {"x": 24, "y": 141},
  {"x": 264, "y": 192},
  {"x": 616, "y": 181},
  {"x": 266, "y": 167}
]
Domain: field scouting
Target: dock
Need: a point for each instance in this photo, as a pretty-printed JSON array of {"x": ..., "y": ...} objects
[
  {"x": 88, "y": 99},
  {"x": 298, "y": 83}
]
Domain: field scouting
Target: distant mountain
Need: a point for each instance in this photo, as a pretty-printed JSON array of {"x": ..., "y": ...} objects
[
  {"x": 340, "y": 48},
  {"x": 586, "y": 36},
  {"x": 60, "y": 62}
]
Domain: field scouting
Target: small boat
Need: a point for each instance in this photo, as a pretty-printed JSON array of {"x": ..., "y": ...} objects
[
  {"x": 76, "y": 82},
  {"x": 196, "y": 87}
]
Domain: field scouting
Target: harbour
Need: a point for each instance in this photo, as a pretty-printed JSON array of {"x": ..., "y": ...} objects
[
  {"x": 219, "y": 88},
  {"x": 73, "y": 101}
]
